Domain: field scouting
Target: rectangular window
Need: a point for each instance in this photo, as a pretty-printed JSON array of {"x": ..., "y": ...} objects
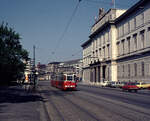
[
  {"x": 142, "y": 18},
  {"x": 128, "y": 70},
  {"x": 142, "y": 38},
  {"x": 104, "y": 51},
  {"x": 100, "y": 52},
  {"x": 122, "y": 29},
  {"x": 118, "y": 49},
  {"x": 134, "y": 23},
  {"x": 135, "y": 41},
  {"x": 128, "y": 26},
  {"x": 123, "y": 47},
  {"x": 96, "y": 53},
  {"x": 143, "y": 74},
  {"x": 128, "y": 40}
]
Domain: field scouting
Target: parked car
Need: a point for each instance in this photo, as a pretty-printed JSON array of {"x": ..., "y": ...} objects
[
  {"x": 112, "y": 84},
  {"x": 104, "y": 83},
  {"x": 130, "y": 86},
  {"x": 143, "y": 85},
  {"x": 120, "y": 84}
]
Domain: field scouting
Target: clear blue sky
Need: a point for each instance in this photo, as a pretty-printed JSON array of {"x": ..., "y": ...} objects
[{"x": 42, "y": 23}]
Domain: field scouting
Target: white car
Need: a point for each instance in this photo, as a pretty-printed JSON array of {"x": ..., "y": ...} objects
[{"x": 104, "y": 84}]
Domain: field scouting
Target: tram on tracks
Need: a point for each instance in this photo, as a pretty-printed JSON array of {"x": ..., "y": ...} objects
[{"x": 64, "y": 81}]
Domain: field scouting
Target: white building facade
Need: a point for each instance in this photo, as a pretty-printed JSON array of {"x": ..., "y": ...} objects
[
  {"x": 133, "y": 43},
  {"x": 118, "y": 47}
]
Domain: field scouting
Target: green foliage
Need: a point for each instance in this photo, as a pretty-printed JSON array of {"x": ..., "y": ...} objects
[{"x": 11, "y": 55}]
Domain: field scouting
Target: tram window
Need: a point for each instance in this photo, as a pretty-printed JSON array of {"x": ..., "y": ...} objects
[
  {"x": 64, "y": 78},
  {"x": 69, "y": 78}
]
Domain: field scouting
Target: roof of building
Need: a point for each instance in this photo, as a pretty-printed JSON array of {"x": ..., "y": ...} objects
[
  {"x": 125, "y": 14},
  {"x": 54, "y": 63},
  {"x": 138, "y": 5},
  {"x": 86, "y": 43},
  {"x": 72, "y": 61}
]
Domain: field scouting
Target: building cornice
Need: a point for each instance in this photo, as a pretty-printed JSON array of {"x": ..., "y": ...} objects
[
  {"x": 86, "y": 43},
  {"x": 107, "y": 24}
]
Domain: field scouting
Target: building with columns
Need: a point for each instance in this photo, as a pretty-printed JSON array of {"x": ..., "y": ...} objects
[{"x": 119, "y": 45}]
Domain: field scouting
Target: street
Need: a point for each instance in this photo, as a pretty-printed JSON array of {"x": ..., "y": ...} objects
[{"x": 95, "y": 104}]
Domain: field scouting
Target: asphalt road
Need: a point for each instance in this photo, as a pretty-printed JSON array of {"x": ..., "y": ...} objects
[{"x": 90, "y": 103}]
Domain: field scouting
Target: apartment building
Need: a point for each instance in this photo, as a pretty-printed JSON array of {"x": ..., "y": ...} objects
[{"x": 118, "y": 46}]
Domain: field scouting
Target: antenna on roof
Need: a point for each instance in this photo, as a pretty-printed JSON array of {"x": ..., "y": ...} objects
[{"x": 114, "y": 3}]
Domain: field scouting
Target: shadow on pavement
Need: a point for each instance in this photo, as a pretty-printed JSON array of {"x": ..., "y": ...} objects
[{"x": 16, "y": 94}]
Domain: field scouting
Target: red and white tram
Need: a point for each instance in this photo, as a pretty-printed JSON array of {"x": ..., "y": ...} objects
[{"x": 64, "y": 81}]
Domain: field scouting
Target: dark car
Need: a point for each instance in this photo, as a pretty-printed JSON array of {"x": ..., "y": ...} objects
[{"x": 130, "y": 86}]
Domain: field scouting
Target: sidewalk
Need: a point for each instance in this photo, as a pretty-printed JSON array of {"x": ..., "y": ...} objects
[{"x": 17, "y": 104}]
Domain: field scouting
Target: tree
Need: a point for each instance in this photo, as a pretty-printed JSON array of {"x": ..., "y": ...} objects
[{"x": 11, "y": 55}]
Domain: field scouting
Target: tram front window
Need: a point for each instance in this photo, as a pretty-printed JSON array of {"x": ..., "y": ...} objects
[{"x": 69, "y": 78}]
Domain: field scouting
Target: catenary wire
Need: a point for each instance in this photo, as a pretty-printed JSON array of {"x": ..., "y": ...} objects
[
  {"x": 108, "y": 3},
  {"x": 66, "y": 28}
]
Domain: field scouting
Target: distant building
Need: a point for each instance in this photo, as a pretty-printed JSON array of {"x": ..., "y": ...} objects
[
  {"x": 51, "y": 68},
  {"x": 41, "y": 70},
  {"x": 72, "y": 66}
]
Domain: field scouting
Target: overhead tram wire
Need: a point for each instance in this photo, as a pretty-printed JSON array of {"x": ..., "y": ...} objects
[
  {"x": 78, "y": 52},
  {"x": 66, "y": 28},
  {"x": 107, "y": 3},
  {"x": 75, "y": 54}
]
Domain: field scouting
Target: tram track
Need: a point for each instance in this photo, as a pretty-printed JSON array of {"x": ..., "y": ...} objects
[
  {"x": 89, "y": 106},
  {"x": 100, "y": 110},
  {"x": 80, "y": 113},
  {"x": 122, "y": 96},
  {"x": 83, "y": 108},
  {"x": 53, "y": 114},
  {"x": 113, "y": 103}
]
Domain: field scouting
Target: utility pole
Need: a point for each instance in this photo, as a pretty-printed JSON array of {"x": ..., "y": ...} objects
[{"x": 34, "y": 79}]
